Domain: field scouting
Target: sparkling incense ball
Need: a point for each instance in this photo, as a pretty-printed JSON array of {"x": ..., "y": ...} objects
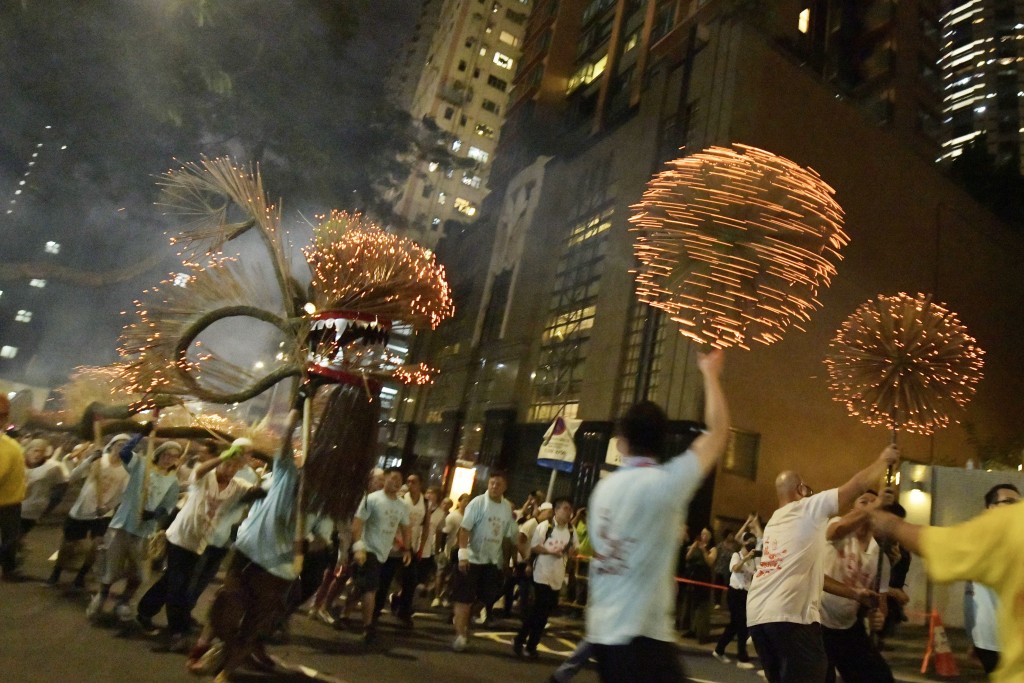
[
  {"x": 357, "y": 266},
  {"x": 735, "y": 243},
  {"x": 904, "y": 362}
]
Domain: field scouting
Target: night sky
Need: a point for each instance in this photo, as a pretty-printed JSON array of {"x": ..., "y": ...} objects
[{"x": 108, "y": 96}]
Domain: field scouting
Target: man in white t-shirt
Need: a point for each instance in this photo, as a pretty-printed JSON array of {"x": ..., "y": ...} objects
[
  {"x": 634, "y": 519},
  {"x": 783, "y": 604},
  {"x": 380, "y": 516},
  {"x": 408, "y": 573},
  {"x": 552, "y": 542},
  {"x": 43, "y": 474},
  {"x": 215, "y": 499},
  {"x": 852, "y": 558},
  {"x": 105, "y": 481},
  {"x": 450, "y": 545},
  {"x": 486, "y": 540}
]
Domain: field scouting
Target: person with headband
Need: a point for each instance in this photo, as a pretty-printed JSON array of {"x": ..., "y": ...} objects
[
  {"x": 150, "y": 497},
  {"x": 214, "y": 503},
  {"x": 87, "y": 521}
]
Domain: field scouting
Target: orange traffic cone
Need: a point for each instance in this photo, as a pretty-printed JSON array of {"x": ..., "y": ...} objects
[{"x": 938, "y": 644}]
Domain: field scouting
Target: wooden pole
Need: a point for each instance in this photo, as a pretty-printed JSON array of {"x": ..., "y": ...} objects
[{"x": 300, "y": 516}]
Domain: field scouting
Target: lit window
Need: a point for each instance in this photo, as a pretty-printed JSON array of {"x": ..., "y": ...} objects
[
  {"x": 8, "y": 351},
  {"x": 465, "y": 206},
  {"x": 504, "y": 61},
  {"x": 508, "y": 38},
  {"x": 484, "y": 131},
  {"x": 804, "y": 21},
  {"x": 471, "y": 180},
  {"x": 23, "y": 316},
  {"x": 442, "y": 198},
  {"x": 432, "y": 166},
  {"x": 36, "y": 282},
  {"x": 181, "y": 280},
  {"x": 52, "y": 248},
  {"x": 483, "y": 51},
  {"x": 478, "y": 154},
  {"x": 435, "y": 221},
  {"x": 456, "y": 145}
]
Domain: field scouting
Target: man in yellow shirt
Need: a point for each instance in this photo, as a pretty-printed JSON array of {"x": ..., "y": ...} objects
[
  {"x": 988, "y": 549},
  {"x": 12, "y": 492}
]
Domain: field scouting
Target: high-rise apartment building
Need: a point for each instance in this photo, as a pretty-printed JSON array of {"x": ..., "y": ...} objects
[
  {"x": 405, "y": 73},
  {"x": 463, "y": 88},
  {"x": 982, "y": 67}
]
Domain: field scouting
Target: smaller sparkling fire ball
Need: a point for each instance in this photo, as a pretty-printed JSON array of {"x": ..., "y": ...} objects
[
  {"x": 904, "y": 362},
  {"x": 735, "y": 243}
]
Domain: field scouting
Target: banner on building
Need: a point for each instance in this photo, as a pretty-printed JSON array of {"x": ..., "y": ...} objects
[{"x": 558, "y": 449}]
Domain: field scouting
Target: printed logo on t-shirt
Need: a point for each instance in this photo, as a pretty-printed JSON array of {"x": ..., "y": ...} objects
[
  {"x": 771, "y": 560},
  {"x": 616, "y": 558}
]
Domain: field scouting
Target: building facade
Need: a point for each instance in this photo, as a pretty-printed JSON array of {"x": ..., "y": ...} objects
[
  {"x": 982, "y": 66},
  {"x": 462, "y": 87},
  {"x": 548, "y": 323}
]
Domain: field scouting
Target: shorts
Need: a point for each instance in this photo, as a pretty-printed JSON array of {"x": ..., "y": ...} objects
[
  {"x": 80, "y": 529},
  {"x": 126, "y": 556},
  {"x": 481, "y": 582},
  {"x": 367, "y": 575}
]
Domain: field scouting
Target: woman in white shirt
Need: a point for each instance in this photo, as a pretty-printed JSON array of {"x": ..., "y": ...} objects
[{"x": 741, "y": 568}]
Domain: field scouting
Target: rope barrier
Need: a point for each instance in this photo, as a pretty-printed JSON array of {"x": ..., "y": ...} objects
[{"x": 700, "y": 583}]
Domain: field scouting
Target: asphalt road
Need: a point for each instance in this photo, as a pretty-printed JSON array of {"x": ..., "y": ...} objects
[{"x": 45, "y": 637}]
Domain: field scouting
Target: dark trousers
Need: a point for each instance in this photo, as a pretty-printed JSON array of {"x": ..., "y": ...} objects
[
  {"x": 10, "y": 533},
  {"x": 407, "y": 579},
  {"x": 205, "y": 571},
  {"x": 642, "y": 660},
  {"x": 545, "y": 600},
  {"x": 790, "y": 653},
  {"x": 172, "y": 590},
  {"x": 851, "y": 652},
  {"x": 737, "y": 626},
  {"x": 250, "y": 604},
  {"x": 989, "y": 659}
]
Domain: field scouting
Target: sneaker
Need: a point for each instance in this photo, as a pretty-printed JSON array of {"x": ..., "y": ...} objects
[
  {"x": 124, "y": 612},
  {"x": 323, "y": 616},
  {"x": 146, "y": 625},
  {"x": 435, "y": 603},
  {"x": 517, "y": 647},
  {"x": 532, "y": 654},
  {"x": 482, "y": 619},
  {"x": 93, "y": 610},
  {"x": 744, "y": 665},
  {"x": 460, "y": 643},
  {"x": 720, "y": 657}
]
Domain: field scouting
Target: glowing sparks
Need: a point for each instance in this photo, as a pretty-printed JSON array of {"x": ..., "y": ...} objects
[
  {"x": 362, "y": 279},
  {"x": 356, "y": 266},
  {"x": 904, "y": 362},
  {"x": 735, "y": 243}
]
